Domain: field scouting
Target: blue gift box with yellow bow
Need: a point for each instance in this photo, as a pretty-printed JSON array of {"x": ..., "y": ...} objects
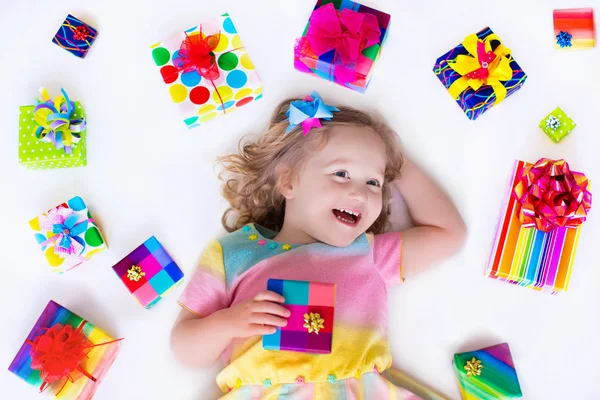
[{"x": 479, "y": 73}]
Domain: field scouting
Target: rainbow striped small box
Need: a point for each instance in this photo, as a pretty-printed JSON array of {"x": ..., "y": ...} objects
[
  {"x": 149, "y": 273},
  {"x": 487, "y": 374},
  {"x": 75, "y": 36},
  {"x": 304, "y": 300},
  {"x": 527, "y": 256},
  {"x": 574, "y": 29},
  {"x": 96, "y": 364}
]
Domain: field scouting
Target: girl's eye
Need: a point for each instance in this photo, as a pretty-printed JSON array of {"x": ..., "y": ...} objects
[
  {"x": 342, "y": 174},
  {"x": 373, "y": 182}
]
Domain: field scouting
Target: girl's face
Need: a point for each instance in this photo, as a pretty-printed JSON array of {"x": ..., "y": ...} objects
[{"x": 337, "y": 196}]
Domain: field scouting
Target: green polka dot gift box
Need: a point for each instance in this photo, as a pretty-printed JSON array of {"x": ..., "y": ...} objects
[
  {"x": 52, "y": 133},
  {"x": 207, "y": 70},
  {"x": 68, "y": 235}
]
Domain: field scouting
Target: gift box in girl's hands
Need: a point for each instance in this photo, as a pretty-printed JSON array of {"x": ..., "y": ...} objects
[
  {"x": 309, "y": 327},
  {"x": 342, "y": 42},
  {"x": 208, "y": 71},
  {"x": 52, "y": 134},
  {"x": 479, "y": 73},
  {"x": 64, "y": 355},
  {"x": 539, "y": 226},
  {"x": 149, "y": 273},
  {"x": 68, "y": 235},
  {"x": 487, "y": 374}
]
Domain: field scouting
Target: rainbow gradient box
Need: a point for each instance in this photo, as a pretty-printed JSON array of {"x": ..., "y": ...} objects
[
  {"x": 310, "y": 324},
  {"x": 324, "y": 65},
  {"x": 574, "y": 29},
  {"x": 198, "y": 98},
  {"x": 149, "y": 273},
  {"x": 527, "y": 256},
  {"x": 80, "y": 383},
  {"x": 68, "y": 235},
  {"x": 487, "y": 374},
  {"x": 475, "y": 102},
  {"x": 75, "y": 36}
]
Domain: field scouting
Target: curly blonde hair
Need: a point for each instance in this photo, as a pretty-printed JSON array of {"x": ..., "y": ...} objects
[{"x": 251, "y": 184}]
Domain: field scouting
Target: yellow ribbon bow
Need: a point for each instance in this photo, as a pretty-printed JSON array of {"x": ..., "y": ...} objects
[{"x": 482, "y": 67}]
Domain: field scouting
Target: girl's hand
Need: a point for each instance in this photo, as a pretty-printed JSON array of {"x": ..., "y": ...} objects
[{"x": 258, "y": 316}]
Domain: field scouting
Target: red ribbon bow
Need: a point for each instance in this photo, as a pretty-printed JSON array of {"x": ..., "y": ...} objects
[
  {"x": 347, "y": 32},
  {"x": 58, "y": 353},
  {"x": 197, "y": 54},
  {"x": 550, "y": 195}
]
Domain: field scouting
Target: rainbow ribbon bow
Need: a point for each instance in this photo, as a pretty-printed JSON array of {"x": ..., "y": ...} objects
[
  {"x": 55, "y": 122},
  {"x": 482, "y": 67}
]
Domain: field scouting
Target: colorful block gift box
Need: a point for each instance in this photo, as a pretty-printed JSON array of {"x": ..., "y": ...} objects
[
  {"x": 149, "y": 273},
  {"x": 310, "y": 324},
  {"x": 52, "y": 133},
  {"x": 208, "y": 71},
  {"x": 342, "y": 42},
  {"x": 64, "y": 355},
  {"x": 68, "y": 235},
  {"x": 574, "y": 29},
  {"x": 479, "y": 73},
  {"x": 540, "y": 225},
  {"x": 487, "y": 374},
  {"x": 557, "y": 125},
  {"x": 75, "y": 36}
]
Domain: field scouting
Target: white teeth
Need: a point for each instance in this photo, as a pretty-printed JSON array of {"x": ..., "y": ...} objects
[
  {"x": 348, "y": 212},
  {"x": 345, "y": 220}
]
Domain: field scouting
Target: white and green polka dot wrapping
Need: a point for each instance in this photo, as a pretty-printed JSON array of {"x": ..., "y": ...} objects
[
  {"x": 199, "y": 99},
  {"x": 36, "y": 154}
]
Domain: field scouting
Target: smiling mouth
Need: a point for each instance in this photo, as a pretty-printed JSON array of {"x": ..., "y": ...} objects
[{"x": 347, "y": 217}]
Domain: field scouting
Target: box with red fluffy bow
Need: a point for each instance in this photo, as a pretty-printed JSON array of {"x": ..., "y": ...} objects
[
  {"x": 64, "y": 355},
  {"x": 342, "y": 42},
  {"x": 208, "y": 71}
]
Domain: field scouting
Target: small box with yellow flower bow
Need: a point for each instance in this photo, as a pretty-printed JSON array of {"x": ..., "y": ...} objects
[
  {"x": 52, "y": 133},
  {"x": 310, "y": 324},
  {"x": 149, "y": 273},
  {"x": 479, "y": 73},
  {"x": 488, "y": 373}
]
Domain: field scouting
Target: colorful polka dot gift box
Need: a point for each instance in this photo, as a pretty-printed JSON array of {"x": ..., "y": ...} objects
[
  {"x": 342, "y": 42},
  {"x": 68, "y": 235},
  {"x": 208, "y": 71},
  {"x": 75, "y": 36},
  {"x": 487, "y": 374},
  {"x": 149, "y": 273},
  {"x": 310, "y": 324},
  {"x": 52, "y": 133},
  {"x": 65, "y": 356},
  {"x": 479, "y": 73}
]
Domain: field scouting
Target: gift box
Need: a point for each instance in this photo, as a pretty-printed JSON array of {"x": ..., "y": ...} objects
[
  {"x": 149, "y": 273},
  {"x": 557, "y": 125},
  {"x": 539, "y": 227},
  {"x": 488, "y": 373},
  {"x": 64, "y": 355},
  {"x": 75, "y": 36},
  {"x": 342, "y": 42},
  {"x": 52, "y": 133},
  {"x": 208, "y": 71},
  {"x": 574, "y": 29},
  {"x": 310, "y": 324},
  {"x": 479, "y": 73},
  {"x": 68, "y": 235}
]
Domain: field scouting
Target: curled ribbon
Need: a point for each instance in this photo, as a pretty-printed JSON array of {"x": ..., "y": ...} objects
[
  {"x": 550, "y": 195},
  {"x": 58, "y": 353},
  {"x": 55, "y": 122},
  {"x": 65, "y": 225},
  {"x": 482, "y": 67},
  {"x": 197, "y": 53},
  {"x": 309, "y": 112},
  {"x": 347, "y": 32}
]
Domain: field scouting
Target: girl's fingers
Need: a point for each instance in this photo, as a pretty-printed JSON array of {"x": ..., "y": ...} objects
[
  {"x": 267, "y": 319},
  {"x": 267, "y": 295}
]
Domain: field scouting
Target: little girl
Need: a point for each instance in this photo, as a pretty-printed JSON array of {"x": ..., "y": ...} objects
[{"x": 310, "y": 201}]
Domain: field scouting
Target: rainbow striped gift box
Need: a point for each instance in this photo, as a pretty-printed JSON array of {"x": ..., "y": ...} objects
[
  {"x": 78, "y": 386},
  {"x": 574, "y": 29},
  {"x": 527, "y": 256}
]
